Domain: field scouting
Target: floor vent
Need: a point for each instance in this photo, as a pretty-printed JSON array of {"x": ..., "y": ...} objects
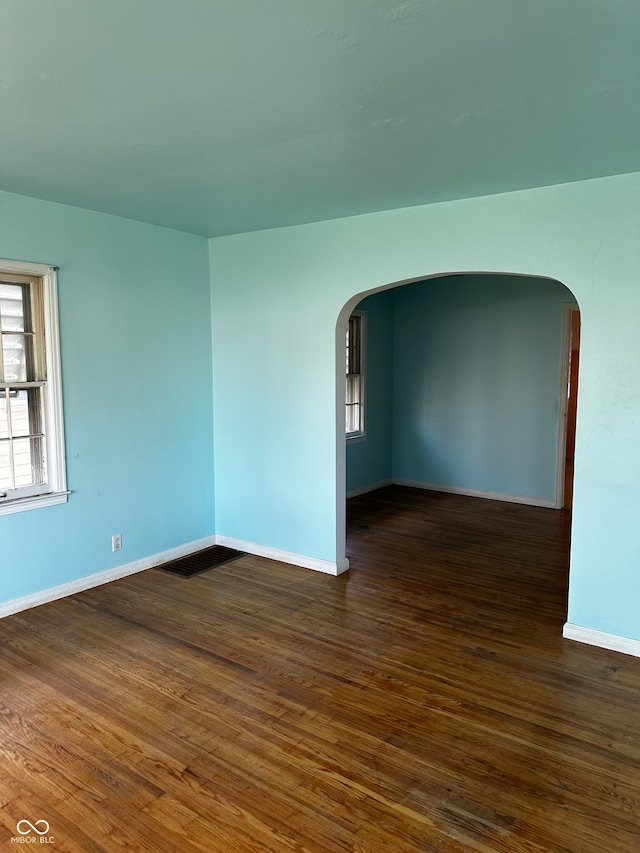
[{"x": 201, "y": 561}]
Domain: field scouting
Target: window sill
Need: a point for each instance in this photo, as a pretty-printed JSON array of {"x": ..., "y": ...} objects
[
  {"x": 357, "y": 438},
  {"x": 34, "y": 502}
]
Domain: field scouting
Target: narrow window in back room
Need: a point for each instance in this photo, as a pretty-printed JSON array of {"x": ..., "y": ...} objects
[{"x": 355, "y": 364}]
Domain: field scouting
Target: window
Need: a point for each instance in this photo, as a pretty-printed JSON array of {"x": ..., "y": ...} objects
[
  {"x": 355, "y": 351},
  {"x": 32, "y": 471}
]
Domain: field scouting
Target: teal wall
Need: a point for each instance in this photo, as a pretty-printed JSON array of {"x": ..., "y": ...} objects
[
  {"x": 272, "y": 399},
  {"x": 369, "y": 459},
  {"x": 463, "y": 380},
  {"x": 477, "y": 383},
  {"x": 136, "y": 313},
  {"x": 135, "y": 330},
  {"x": 279, "y": 421}
]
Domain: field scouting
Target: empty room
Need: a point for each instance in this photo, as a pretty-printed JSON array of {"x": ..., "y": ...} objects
[{"x": 336, "y": 303}]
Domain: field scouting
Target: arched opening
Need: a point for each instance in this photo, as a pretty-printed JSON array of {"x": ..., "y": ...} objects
[{"x": 470, "y": 389}]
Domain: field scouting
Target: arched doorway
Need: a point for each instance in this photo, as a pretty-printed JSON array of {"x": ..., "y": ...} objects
[{"x": 478, "y": 388}]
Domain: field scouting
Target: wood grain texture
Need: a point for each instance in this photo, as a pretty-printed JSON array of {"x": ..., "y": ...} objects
[{"x": 424, "y": 701}]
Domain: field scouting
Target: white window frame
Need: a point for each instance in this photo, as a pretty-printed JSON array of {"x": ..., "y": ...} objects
[
  {"x": 54, "y": 491},
  {"x": 360, "y": 434}
]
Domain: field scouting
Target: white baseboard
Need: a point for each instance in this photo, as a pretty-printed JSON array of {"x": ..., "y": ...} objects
[
  {"x": 613, "y": 642},
  {"x": 16, "y": 605},
  {"x": 362, "y": 490},
  {"x": 81, "y": 584},
  {"x": 476, "y": 493},
  {"x": 326, "y": 566}
]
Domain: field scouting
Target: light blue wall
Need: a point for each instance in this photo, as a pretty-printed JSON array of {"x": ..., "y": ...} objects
[
  {"x": 476, "y": 383},
  {"x": 271, "y": 397},
  {"x": 279, "y": 420},
  {"x": 369, "y": 460},
  {"x": 463, "y": 374},
  {"x": 137, "y": 382},
  {"x": 139, "y": 439}
]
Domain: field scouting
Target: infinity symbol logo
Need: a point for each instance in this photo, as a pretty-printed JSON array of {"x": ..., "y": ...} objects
[{"x": 32, "y": 827}]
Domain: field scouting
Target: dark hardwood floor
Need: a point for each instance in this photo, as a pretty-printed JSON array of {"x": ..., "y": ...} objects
[{"x": 424, "y": 701}]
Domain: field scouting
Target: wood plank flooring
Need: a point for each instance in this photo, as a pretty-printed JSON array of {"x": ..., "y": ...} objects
[{"x": 424, "y": 701}]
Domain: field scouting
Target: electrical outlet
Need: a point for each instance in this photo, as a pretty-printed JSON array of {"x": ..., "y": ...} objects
[{"x": 116, "y": 542}]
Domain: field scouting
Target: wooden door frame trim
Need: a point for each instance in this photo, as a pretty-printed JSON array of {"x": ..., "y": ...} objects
[{"x": 567, "y": 311}]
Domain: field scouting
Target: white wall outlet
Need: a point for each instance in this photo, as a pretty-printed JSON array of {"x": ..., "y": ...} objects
[{"x": 116, "y": 542}]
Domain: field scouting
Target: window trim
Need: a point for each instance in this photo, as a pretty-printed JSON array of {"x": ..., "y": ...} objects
[
  {"x": 361, "y": 434},
  {"x": 56, "y": 487}
]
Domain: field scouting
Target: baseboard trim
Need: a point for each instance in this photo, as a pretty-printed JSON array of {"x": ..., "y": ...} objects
[
  {"x": 591, "y": 637},
  {"x": 326, "y": 566},
  {"x": 362, "y": 490},
  {"x": 476, "y": 493},
  {"x": 26, "y": 602}
]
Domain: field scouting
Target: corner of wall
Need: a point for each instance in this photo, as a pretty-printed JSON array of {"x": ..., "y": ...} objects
[{"x": 213, "y": 378}]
